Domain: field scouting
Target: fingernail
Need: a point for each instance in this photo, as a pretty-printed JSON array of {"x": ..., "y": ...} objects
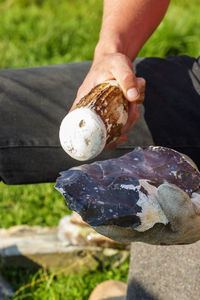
[{"x": 132, "y": 94}]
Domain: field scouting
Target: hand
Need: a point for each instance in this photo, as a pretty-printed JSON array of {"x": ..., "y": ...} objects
[
  {"x": 182, "y": 212},
  {"x": 119, "y": 67}
]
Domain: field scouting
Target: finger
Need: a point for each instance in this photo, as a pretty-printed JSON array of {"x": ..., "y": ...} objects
[
  {"x": 141, "y": 82},
  {"x": 83, "y": 90},
  {"x": 122, "y": 71},
  {"x": 117, "y": 233},
  {"x": 159, "y": 234},
  {"x": 176, "y": 205},
  {"x": 196, "y": 202},
  {"x": 133, "y": 117},
  {"x": 96, "y": 75},
  {"x": 120, "y": 141}
]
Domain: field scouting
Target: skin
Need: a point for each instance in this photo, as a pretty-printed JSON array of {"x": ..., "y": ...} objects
[
  {"x": 126, "y": 26},
  {"x": 182, "y": 212}
]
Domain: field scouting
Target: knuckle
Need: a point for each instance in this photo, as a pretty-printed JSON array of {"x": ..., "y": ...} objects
[
  {"x": 128, "y": 77},
  {"x": 95, "y": 68},
  {"x": 80, "y": 90},
  {"x": 118, "y": 55},
  {"x": 116, "y": 58}
]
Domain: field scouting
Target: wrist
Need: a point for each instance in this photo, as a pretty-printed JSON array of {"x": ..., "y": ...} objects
[
  {"x": 117, "y": 44},
  {"x": 106, "y": 46}
]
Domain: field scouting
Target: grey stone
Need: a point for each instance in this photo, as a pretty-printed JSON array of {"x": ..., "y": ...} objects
[
  {"x": 6, "y": 291},
  {"x": 40, "y": 247},
  {"x": 164, "y": 272}
]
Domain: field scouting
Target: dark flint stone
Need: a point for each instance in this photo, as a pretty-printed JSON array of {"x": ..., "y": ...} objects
[
  {"x": 107, "y": 192},
  {"x": 98, "y": 204}
]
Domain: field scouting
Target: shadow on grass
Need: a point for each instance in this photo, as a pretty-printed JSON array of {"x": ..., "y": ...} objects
[{"x": 16, "y": 269}]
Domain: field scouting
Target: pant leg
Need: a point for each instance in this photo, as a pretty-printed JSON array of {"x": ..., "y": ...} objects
[
  {"x": 172, "y": 103},
  {"x": 32, "y": 104},
  {"x": 34, "y": 101},
  {"x": 172, "y": 114}
]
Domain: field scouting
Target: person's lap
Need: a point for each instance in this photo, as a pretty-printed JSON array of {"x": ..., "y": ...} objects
[
  {"x": 34, "y": 101},
  {"x": 172, "y": 104}
]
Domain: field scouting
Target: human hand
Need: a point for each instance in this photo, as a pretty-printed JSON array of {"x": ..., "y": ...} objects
[
  {"x": 182, "y": 212},
  {"x": 149, "y": 195},
  {"x": 119, "y": 67}
]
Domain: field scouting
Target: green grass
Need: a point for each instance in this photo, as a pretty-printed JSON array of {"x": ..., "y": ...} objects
[
  {"x": 44, "y": 32},
  {"x": 73, "y": 287},
  {"x": 34, "y": 204},
  {"x": 41, "y": 32},
  {"x": 179, "y": 32}
]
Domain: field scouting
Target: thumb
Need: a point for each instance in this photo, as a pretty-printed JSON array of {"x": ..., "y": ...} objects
[
  {"x": 176, "y": 205},
  {"x": 122, "y": 71}
]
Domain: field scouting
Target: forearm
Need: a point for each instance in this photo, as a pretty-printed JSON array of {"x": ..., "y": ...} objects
[{"x": 128, "y": 24}]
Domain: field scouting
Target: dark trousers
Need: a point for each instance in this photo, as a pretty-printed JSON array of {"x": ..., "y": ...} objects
[{"x": 34, "y": 101}]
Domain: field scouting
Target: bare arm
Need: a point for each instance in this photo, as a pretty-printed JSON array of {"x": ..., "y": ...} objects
[
  {"x": 128, "y": 24},
  {"x": 125, "y": 28}
]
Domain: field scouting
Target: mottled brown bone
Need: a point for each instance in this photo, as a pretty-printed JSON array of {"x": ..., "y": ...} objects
[{"x": 104, "y": 99}]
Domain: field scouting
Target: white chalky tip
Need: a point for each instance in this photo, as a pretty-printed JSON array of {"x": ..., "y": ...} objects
[{"x": 82, "y": 134}]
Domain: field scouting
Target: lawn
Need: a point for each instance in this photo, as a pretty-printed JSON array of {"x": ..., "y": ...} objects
[{"x": 44, "y": 32}]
